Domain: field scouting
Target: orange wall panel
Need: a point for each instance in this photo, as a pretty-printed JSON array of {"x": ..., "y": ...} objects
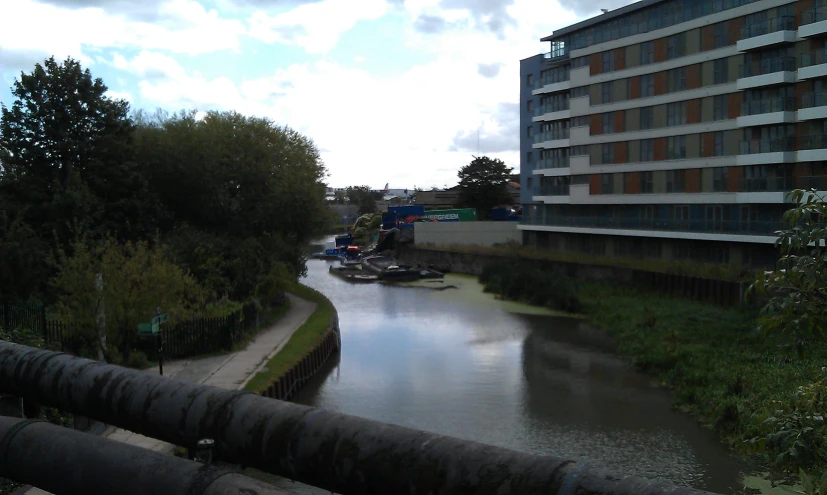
[
  {"x": 708, "y": 144},
  {"x": 693, "y": 76},
  {"x": 594, "y": 184},
  {"x": 620, "y": 58},
  {"x": 595, "y": 125},
  {"x": 693, "y": 180},
  {"x": 620, "y": 120},
  {"x": 632, "y": 180},
  {"x": 735, "y": 175},
  {"x": 659, "y": 149},
  {"x": 595, "y": 63},
  {"x": 634, "y": 87},
  {"x": 660, "y": 83},
  {"x": 734, "y": 104},
  {"x": 693, "y": 111},
  {"x": 621, "y": 152},
  {"x": 707, "y": 38},
  {"x": 660, "y": 50}
]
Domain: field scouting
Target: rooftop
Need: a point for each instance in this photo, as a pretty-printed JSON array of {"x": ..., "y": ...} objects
[{"x": 612, "y": 14}]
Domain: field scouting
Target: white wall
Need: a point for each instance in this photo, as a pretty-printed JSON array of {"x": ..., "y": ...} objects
[{"x": 466, "y": 233}]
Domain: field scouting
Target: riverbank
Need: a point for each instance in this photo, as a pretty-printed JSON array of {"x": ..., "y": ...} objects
[
  {"x": 304, "y": 339},
  {"x": 720, "y": 368}
]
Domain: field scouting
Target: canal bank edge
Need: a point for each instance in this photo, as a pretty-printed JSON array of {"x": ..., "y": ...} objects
[
  {"x": 471, "y": 262},
  {"x": 305, "y": 353}
]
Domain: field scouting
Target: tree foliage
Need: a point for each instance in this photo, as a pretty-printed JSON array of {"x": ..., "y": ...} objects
[
  {"x": 798, "y": 287},
  {"x": 364, "y": 197},
  {"x": 232, "y": 196},
  {"x": 106, "y": 289},
  {"x": 483, "y": 184}
]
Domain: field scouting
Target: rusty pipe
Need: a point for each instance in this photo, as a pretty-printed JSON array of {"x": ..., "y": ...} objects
[
  {"x": 65, "y": 461},
  {"x": 341, "y": 453}
]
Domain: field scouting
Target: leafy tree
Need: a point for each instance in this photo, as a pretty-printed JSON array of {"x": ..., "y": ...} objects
[
  {"x": 483, "y": 184},
  {"x": 364, "y": 197},
  {"x": 66, "y": 154},
  {"x": 798, "y": 287},
  {"x": 106, "y": 289}
]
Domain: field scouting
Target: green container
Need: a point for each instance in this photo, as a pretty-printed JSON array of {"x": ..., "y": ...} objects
[{"x": 456, "y": 215}]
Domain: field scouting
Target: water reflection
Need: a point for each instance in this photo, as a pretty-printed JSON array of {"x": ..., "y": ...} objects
[{"x": 549, "y": 385}]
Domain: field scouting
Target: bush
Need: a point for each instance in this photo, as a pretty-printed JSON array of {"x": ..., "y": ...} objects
[
  {"x": 138, "y": 361},
  {"x": 520, "y": 280}
]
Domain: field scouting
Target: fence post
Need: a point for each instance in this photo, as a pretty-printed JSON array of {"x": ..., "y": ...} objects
[
  {"x": 6, "y": 316},
  {"x": 43, "y": 321}
]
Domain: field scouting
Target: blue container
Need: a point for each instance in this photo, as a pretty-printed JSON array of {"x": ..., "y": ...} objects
[
  {"x": 407, "y": 211},
  {"x": 499, "y": 214},
  {"x": 388, "y": 220},
  {"x": 344, "y": 240}
]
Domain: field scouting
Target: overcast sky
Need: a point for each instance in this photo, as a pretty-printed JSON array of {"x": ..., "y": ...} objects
[{"x": 390, "y": 90}]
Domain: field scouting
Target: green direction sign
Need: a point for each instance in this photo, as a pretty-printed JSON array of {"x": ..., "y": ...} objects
[
  {"x": 160, "y": 319},
  {"x": 148, "y": 328}
]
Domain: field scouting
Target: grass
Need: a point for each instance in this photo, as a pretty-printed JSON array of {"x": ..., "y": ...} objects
[
  {"x": 705, "y": 270},
  {"x": 301, "y": 342},
  {"x": 720, "y": 368}
]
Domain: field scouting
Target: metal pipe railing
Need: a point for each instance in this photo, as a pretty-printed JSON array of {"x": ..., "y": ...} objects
[
  {"x": 341, "y": 453},
  {"x": 64, "y": 461}
]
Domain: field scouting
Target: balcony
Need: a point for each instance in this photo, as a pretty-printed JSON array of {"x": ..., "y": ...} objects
[
  {"x": 767, "y": 33},
  {"x": 765, "y": 184},
  {"x": 552, "y": 135},
  {"x": 745, "y": 227},
  {"x": 811, "y": 148},
  {"x": 551, "y": 190},
  {"x": 767, "y": 111},
  {"x": 813, "y": 22},
  {"x": 813, "y": 106},
  {"x": 552, "y": 112},
  {"x": 812, "y": 64},
  {"x": 778, "y": 70},
  {"x": 550, "y": 163},
  {"x": 817, "y": 182},
  {"x": 765, "y": 151},
  {"x": 551, "y": 84}
]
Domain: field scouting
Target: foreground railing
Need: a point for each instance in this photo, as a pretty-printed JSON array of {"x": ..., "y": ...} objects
[
  {"x": 66, "y": 461},
  {"x": 341, "y": 453}
]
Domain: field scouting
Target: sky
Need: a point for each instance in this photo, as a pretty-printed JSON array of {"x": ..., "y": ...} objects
[{"x": 390, "y": 91}]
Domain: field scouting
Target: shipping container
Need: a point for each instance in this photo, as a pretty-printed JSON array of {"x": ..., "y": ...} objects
[{"x": 455, "y": 215}]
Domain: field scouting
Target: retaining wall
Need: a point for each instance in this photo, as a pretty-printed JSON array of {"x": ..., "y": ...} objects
[
  {"x": 290, "y": 382},
  {"x": 722, "y": 292},
  {"x": 466, "y": 233}
]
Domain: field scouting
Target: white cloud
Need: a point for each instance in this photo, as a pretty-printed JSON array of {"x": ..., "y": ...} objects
[{"x": 317, "y": 26}]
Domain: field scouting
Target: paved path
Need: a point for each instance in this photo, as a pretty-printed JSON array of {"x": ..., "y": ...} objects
[{"x": 230, "y": 371}]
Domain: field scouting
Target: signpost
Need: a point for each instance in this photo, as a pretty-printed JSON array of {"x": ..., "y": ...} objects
[{"x": 154, "y": 328}]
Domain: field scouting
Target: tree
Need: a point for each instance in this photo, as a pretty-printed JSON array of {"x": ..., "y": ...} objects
[
  {"x": 483, "y": 184},
  {"x": 364, "y": 197},
  {"x": 107, "y": 288},
  {"x": 66, "y": 155},
  {"x": 798, "y": 287}
]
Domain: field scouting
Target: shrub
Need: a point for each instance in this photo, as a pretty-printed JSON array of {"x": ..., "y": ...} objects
[{"x": 519, "y": 280}]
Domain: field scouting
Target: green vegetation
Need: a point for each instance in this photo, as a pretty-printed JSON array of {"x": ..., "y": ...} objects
[
  {"x": 691, "y": 268},
  {"x": 483, "y": 184},
  {"x": 518, "y": 280},
  {"x": 305, "y": 338},
  {"x": 100, "y": 208}
]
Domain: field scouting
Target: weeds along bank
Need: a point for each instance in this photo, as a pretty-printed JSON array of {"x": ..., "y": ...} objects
[
  {"x": 733, "y": 377},
  {"x": 293, "y": 358}
]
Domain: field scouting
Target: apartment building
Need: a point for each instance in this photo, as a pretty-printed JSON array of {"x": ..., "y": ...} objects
[{"x": 674, "y": 129}]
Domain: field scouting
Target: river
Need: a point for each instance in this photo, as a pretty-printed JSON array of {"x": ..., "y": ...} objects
[{"x": 461, "y": 363}]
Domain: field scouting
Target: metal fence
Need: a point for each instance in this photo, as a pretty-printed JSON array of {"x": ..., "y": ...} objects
[{"x": 183, "y": 339}]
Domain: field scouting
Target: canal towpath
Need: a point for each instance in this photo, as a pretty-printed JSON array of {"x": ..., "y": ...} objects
[{"x": 229, "y": 371}]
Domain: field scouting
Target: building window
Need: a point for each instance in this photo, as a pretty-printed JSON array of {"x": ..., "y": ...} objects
[
  {"x": 529, "y": 106},
  {"x": 580, "y": 91},
  {"x": 580, "y": 121},
  {"x": 718, "y": 138},
  {"x": 606, "y": 184},
  {"x": 675, "y": 181},
  {"x": 721, "y": 34},
  {"x": 719, "y": 71},
  {"x": 676, "y": 46},
  {"x": 675, "y": 113},
  {"x": 720, "y": 179},
  {"x": 647, "y": 150},
  {"x": 677, "y": 79},
  {"x": 608, "y": 122},
  {"x": 579, "y": 62},
  {"x": 647, "y": 52},
  {"x": 606, "y": 90},
  {"x": 647, "y": 118},
  {"x": 719, "y": 107},
  {"x": 647, "y": 182},
  {"x": 608, "y": 154},
  {"x": 530, "y": 182},
  {"x": 608, "y": 61},
  {"x": 647, "y": 85},
  {"x": 529, "y": 156},
  {"x": 676, "y": 147},
  {"x": 529, "y": 80},
  {"x": 581, "y": 150},
  {"x": 529, "y": 131}
]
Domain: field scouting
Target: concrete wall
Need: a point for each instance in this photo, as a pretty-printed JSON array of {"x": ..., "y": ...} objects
[{"x": 466, "y": 233}]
